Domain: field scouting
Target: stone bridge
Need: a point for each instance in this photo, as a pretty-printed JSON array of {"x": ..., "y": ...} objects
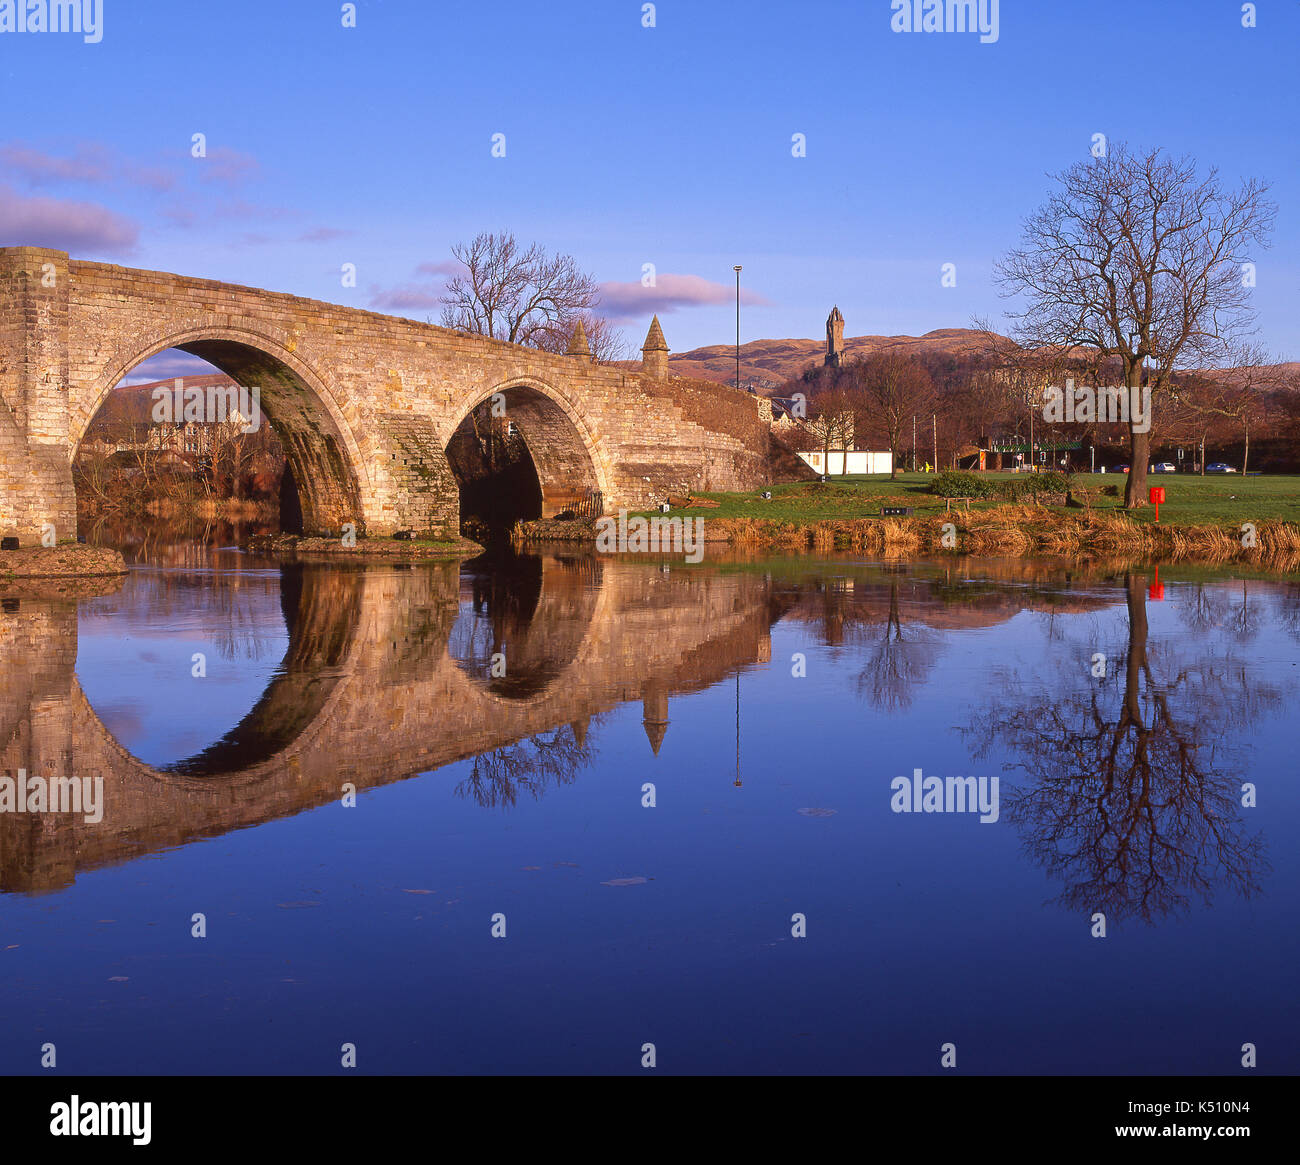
[
  {"x": 365, "y": 404},
  {"x": 386, "y": 676}
]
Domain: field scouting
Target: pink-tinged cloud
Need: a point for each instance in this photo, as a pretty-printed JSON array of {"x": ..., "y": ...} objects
[
  {"x": 409, "y": 297},
  {"x": 181, "y": 216},
  {"x": 324, "y": 235},
  {"x": 420, "y": 296},
  {"x": 226, "y": 165},
  {"x": 625, "y": 302},
  {"x": 88, "y": 164},
  {"x": 444, "y": 268},
  {"x": 81, "y": 228},
  {"x": 153, "y": 178},
  {"x": 243, "y": 210}
]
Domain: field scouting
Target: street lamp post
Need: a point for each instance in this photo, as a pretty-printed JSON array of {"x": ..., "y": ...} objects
[
  {"x": 1031, "y": 436},
  {"x": 737, "y": 269}
]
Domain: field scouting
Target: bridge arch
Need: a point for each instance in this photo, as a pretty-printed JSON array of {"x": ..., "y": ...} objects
[
  {"x": 323, "y": 453},
  {"x": 572, "y": 467},
  {"x": 330, "y": 714},
  {"x": 538, "y": 614}
]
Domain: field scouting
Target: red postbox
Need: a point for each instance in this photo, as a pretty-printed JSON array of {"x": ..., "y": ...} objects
[{"x": 1156, "y": 496}]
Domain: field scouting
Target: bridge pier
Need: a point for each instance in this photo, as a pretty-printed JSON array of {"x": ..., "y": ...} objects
[
  {"x": 36, "y": 490},
  {"x": 412, "y": 485}
]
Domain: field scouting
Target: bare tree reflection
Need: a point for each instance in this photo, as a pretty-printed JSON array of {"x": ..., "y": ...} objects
[
  {"x": 529, "y": 766},
  {"x": 1210, "y": 606},
  {"x": 1289, "y": 611},
  {"x": 1133, "y": 791},
  {"x": 901, "y": 658}
]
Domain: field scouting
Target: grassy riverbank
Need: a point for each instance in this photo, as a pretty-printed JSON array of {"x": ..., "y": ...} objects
[
  {"x": 1022, "y": 530},
  {"x": 1210, "y": 520},
  {"x": 1221, "y": 500}
]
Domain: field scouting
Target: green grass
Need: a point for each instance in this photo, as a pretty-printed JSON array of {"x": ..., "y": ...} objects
[
  {"x": 1226, "y": 499},
  {"x": 1192, "y": 500}
]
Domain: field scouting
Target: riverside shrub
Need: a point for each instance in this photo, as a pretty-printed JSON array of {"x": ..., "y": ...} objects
[
  {"x": 1034, "y": 484},
  {"x": 958, "y": 483}
]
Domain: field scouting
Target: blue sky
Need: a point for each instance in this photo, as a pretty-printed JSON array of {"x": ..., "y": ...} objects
[{"x": 628, "y": 145}]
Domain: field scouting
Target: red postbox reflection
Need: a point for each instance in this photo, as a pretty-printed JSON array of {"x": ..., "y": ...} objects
[{"x": 1157, "y": 589}]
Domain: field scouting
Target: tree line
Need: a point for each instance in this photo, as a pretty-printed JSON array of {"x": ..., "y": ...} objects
[
  {"x": 1136, "y": 271},
  {"x": 941, "y": 409}
]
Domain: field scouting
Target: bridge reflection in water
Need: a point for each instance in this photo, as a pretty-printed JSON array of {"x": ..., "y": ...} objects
[{"x": 388, "y": 673}]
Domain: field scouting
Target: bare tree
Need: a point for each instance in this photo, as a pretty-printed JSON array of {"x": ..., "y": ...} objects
[
  {"x": 1139, "y": 257},
  {"x": 525, "y": 296},
  {"x": 891, "y": 389},
  {"x": 831, "y": 422},
  {"x": 1235, "y": 398}
]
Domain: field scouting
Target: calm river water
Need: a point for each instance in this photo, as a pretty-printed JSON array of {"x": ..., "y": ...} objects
[{"x": 534, "y": 814}]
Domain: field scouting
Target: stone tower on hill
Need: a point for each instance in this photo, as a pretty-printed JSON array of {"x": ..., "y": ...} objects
[{"x": 834, "y": 339}]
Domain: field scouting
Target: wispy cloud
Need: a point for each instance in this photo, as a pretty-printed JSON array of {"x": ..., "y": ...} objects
[
  {"x": 443, "y": 268},
  {"x": 83, "y": 228},
  {"x": 324, "y": 235},
  {"x": 626, "y": 302},
  {"x": 620, "y": 302},
  {"x": 421, "y": 294},
  {"x": 37, "y": 168},
  {"x": 244, "y": 211},
  {"x": 181, "y": 216},
  {"x": 410, "y": 297},
  {"x": 87, "y": 163},
  {"x": 227, "y": 166},
  {"x": 155, "y": 178}
]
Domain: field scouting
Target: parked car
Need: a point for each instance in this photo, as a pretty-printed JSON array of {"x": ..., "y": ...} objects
[
  {"x": 1219, "y": 467},
  {"x": 1164, "y": 467}
]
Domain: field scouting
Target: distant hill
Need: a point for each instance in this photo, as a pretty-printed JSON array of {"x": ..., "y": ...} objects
[
  {"x": 769, "y": 363},
  {"x": 1285, "y": 375}
]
